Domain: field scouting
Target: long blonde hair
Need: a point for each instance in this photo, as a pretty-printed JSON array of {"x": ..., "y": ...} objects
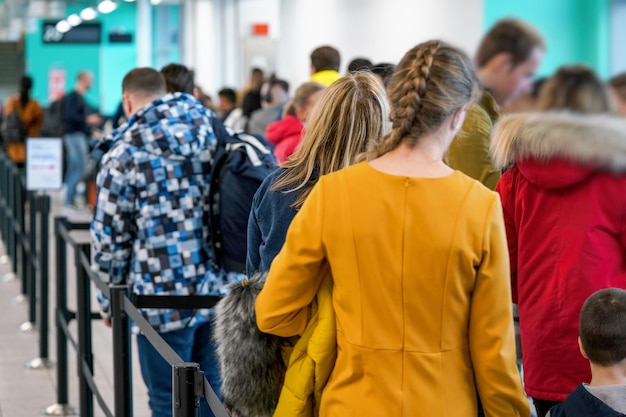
[
  {"x": 344, "y": 128},
  {"x": 432, "y": 81}
]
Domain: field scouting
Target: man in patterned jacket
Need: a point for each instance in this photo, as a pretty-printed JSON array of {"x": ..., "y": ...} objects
[{"x": 148, "y": 227}]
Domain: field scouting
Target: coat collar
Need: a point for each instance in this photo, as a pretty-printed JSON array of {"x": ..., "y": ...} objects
[{"x": 598, "y": 140}]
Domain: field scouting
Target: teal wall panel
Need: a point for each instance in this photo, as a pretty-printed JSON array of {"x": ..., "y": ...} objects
[
  {"x": 108, "y": 62},
  {"x": 576, "y": 31}
]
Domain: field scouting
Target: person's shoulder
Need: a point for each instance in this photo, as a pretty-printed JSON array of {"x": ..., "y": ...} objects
[{"x": 473, "y": 189}]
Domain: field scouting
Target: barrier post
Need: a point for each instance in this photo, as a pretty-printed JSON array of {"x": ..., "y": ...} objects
[
  {"x": 13, "y": 178},
  {"x": 83, "y": 315},
  {"x": 185, "y": 401},
  {"x": 20, "y": 218},
  {"x": 62, "y": 315},
  {"x": 43, "y": 362},
  {"x": 122, "y": 365},
  {"x": 3, "y": 206},
  {"x": 7, "y": 219},
  {"x": 31, "y": 270}
]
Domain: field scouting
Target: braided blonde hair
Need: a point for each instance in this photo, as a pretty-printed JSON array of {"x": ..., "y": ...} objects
[{"x": 432, "y": 81}]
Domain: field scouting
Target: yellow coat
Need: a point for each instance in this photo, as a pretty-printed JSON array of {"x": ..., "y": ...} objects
[
  {"x": 325, "y": 77},
  {"x": 421, "y": 294},
  {"x": 311, "y": 360}
]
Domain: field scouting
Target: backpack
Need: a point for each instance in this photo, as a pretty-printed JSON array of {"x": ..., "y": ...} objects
[
  {"x": 54, "y": 119},
  {"x": 240, "y": 165},
  {"x": 13, "y": 130}
]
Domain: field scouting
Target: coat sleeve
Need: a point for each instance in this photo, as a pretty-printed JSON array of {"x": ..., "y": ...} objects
[
  {"x": 505, "y": 189},
  {"x": 254, "y": 241},
  {"x": 491, "y": 333},
  {"x": 112, "y": 228},
  {"x": 283, "y": 306}
]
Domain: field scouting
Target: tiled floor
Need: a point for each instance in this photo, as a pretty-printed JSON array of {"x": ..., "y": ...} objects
[{"x": 23, "y": 392}]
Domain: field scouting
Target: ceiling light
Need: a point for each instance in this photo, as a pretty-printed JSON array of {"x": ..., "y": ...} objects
[
  {"x": 89, "y": 13},
  {"x": 74, "y": 20},
  {"x": 63, "y": 26},
  {"x": 106, "y": 6}
]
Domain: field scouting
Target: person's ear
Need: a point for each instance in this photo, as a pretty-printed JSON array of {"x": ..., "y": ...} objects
[
  {"x": 196, "y": 93},
  {"x": 502, "y": 63},
  {"x": 313, "y": 70},
  {"x": 582, "y": 349},
  {"x": 458, "y": 118},
  {"x": 127, "y": 105}
]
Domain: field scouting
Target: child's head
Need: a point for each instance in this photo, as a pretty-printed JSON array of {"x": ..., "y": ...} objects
[{"x": 603, "y": 327}]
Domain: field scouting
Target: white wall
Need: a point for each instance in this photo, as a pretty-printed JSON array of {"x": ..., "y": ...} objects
[
  {"x": 381, "y": 30},
  {"x": 618, "y": 34}
]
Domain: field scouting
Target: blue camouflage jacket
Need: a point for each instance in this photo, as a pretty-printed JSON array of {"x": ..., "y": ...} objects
[{"x": 150, "y": 225}]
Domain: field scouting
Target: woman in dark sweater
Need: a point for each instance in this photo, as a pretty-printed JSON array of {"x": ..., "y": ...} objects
[{"x": 345, "y": 126}]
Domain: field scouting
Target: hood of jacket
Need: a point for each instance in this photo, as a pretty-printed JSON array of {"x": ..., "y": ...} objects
[
  {"x": 554, "y": 150},
  {"x": 282, "y": 129},
  {"x": 175, "y": 126}
]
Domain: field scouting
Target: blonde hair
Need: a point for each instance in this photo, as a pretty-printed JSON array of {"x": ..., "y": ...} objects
[
  {"x": 576, "y": 88},
  {"x": 301, "y": 98},
  {"x": 432, "y": 81},
  {"x": 345, "y": 127}
]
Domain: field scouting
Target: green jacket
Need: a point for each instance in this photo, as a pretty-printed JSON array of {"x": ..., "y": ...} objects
[{"x": 469, "y": 151}]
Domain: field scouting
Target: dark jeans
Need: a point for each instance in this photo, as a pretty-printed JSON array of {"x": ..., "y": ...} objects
[
  {"x": 192, "y": 344},
  {"x": 543, "y": 406}
]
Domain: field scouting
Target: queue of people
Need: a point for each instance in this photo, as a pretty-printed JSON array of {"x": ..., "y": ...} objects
[{"x": 411, "y": 204}]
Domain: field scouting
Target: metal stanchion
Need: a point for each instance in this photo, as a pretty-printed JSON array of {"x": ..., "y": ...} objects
[
  {"x": 62, "y": 406},
  {"x": 23, "y": 258},
  {"x": 122, "y": 366},
  {"x": 12, "y": 246},
  {"x": 83, "y": 315},
  {"x": 31, "y": 270},
  {"x": 43, "y": 362},
  {"x": 12, "y": 237},
  {"x": 185, "y": 396},
  {"x": 20, "y": 218}
]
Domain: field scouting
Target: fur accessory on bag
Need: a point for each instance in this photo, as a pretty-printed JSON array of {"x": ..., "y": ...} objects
[{"x": 251, "y": 362}]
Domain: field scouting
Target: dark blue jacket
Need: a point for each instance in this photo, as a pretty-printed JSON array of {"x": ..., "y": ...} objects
[
  {"x": 75, "y": 113},
  {"x": 270, "y": 217},
  {"x": 582, "y": 403}
]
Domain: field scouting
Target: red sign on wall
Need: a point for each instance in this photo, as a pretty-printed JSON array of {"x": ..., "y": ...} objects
[
  {"x": 56, "y": 83},
  {"x": 260, "y": 29}
]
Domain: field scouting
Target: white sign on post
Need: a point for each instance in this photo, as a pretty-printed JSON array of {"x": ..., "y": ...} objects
[{"x": 44, "y": 164}]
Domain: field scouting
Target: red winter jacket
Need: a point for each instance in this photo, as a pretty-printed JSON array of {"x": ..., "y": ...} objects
[
  {"x": 564, "y": 205},
  {"x": 286, "y": 135}
]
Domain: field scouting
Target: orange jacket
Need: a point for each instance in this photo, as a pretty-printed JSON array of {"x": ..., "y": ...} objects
[{"x": 31, "y": 116}]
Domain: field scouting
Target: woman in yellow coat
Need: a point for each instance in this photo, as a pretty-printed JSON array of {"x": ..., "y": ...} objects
[{"x": 419, "y": 262}]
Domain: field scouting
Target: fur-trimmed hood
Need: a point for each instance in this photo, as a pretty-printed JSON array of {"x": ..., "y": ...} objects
[{"x": 559, "y": 149}]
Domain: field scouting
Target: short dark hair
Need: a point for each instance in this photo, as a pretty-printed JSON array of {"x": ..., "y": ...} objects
[
  {"x": 178, "y": 78},
  {"x": 603, "y": 326},
  {"x": 385, "y": 70},
  {"x": 359, "y": 64},
  {"x": 146, "y": 81},
  {"x": 618, "y": 83},
  {"x": 325, "y": 58},
  {"x": 510, "y": 36},
  {"x": 229, "y": 94}
]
